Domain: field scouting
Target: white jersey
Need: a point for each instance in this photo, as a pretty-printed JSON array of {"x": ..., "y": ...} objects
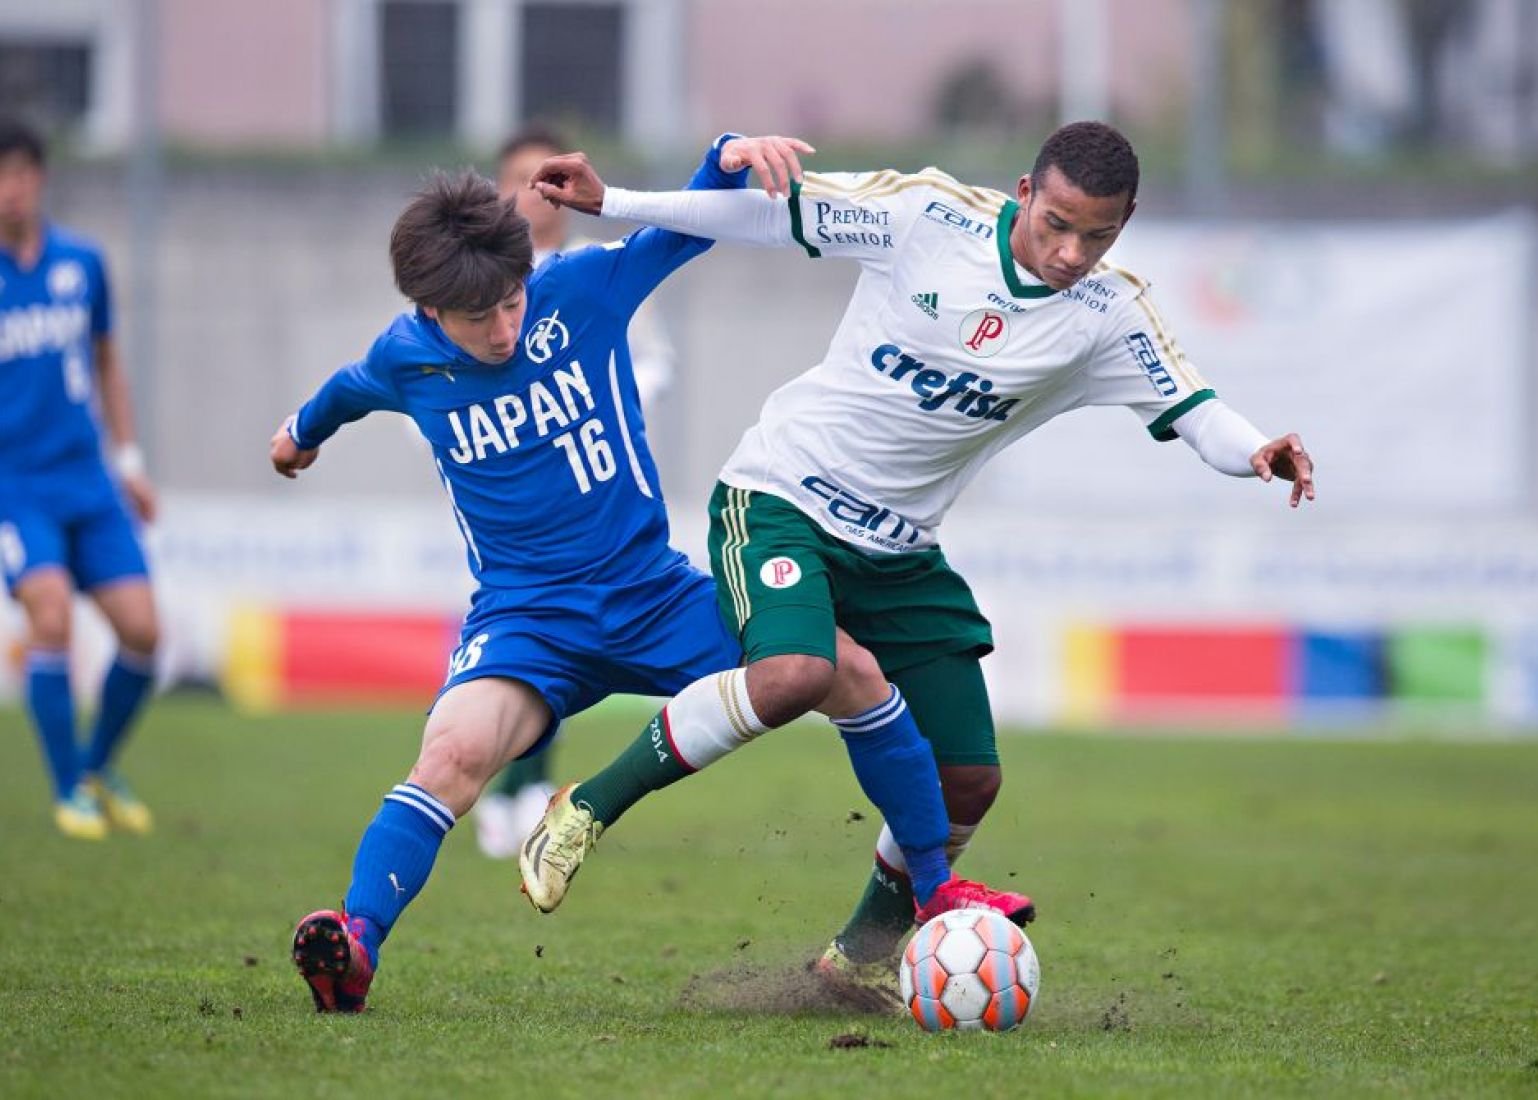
[{"x": 948, "y": 352}]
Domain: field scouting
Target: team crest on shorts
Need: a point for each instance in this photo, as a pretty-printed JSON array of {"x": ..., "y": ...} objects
[{"x": 780, "y": 573}]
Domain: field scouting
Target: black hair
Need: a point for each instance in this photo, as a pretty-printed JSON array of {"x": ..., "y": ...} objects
[
  {"x": 17, "y": 136},
  {"x": 457, "y": 245},
  {"x": 1092, "y": 156}
]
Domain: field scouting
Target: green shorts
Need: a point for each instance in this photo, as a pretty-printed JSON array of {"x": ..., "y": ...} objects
[{"x": 783, "y": 582}]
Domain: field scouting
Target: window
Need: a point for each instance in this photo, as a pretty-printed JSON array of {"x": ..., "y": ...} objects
[
  {"x": 571, "y": 63},
  {"x": 419, "y": 59},
  {"x": 49, "y": 80}
]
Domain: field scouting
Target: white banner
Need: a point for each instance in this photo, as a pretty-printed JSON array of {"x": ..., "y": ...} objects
[{"x": 1401, "y": 354}]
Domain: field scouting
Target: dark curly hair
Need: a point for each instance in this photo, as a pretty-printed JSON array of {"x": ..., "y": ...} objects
[
  {"x": 1092, "y": 156},
  {"x": 458, "y": 246}
]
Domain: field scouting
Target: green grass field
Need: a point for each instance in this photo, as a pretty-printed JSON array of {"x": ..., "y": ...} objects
[{"x": 1219, "y": 917}]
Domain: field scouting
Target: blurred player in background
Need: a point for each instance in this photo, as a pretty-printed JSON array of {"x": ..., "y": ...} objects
[
  {"x": 977, "y": 318},
  {"x": 67, "y": 495},
  {"x": 517, "y": 798},
  {"x": 536, "y": 431}
]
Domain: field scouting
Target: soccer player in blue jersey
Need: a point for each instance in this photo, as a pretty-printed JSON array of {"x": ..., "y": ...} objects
[
  {"x": 66, "y": 493},
  {"x": 524, "y": 390},
  {"x": 516, "y": 800}
]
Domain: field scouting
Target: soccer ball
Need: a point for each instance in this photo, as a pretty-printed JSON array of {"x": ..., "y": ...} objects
[{"x": 969, "y": 969}]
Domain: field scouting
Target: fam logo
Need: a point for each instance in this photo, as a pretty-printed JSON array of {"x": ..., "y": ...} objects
[
  {"x": 929, "y": 303},
  {"x": 1147, "y": 357},
  {"x": 945, "y": 215},
  {"x": 547, "y": 331},
  {"x": 872, "y": 522},
  {"x": 780, "y": 573},
  {"x": 983, "y": 332},
  {"x": 66, "y": 281}
]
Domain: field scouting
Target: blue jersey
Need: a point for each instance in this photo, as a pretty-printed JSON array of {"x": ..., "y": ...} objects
[
  {"x": 59, "y": 505},
  {"x": 544, "y": 457},
  {"x": 51, "y": 315}
]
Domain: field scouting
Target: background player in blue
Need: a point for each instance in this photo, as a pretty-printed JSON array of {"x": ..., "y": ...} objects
[
  {"x": 526, "y": 397},
  {"x": 64, "y": 524}
]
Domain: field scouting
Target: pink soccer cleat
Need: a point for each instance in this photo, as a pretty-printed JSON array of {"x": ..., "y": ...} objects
[
  {"x": 329, "y": 952},
  {"x": 960, "y": 893}
]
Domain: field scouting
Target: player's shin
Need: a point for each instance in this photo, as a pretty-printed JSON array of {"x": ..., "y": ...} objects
[
  {"x": 884, "y": 913},
  {"x": 52, "y": 709},
  {"x": 897, "y": 771},
  {"x": 123, "y": 693},
  {"x": 708, "y": 719},
  {"x": 394, "y": 859}
]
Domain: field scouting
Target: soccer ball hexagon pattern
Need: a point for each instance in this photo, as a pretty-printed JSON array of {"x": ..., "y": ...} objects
[{"x": 969, "y": 969}]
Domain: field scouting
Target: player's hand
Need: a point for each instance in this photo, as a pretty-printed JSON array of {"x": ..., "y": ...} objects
[
  {"x": 569, "y": 180},
  {"x": 141, "y": 494},
  {"x": 774, "y": 159},
  {"x": 286, "y": 456},
  {"x": 1285, "y": 458}
]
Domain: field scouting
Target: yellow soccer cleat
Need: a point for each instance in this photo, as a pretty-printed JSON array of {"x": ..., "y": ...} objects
[
  {"x": 554, "y": 852},
  {"x": 123, "y": 810},
  {"x": 79, "y": 816},
  {"x": 865, "y": 987}
]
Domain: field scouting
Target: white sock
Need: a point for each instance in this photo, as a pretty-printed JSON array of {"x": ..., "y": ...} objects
[
  {"x": 890, "y": 854},
  {"x": 712, "y": 717}
]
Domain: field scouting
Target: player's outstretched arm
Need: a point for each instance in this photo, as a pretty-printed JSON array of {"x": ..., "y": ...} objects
[
  {"x": 571, "y": 180},
  {"x": 287, "y": 456},
  {"x": 1284, "y": 457}
]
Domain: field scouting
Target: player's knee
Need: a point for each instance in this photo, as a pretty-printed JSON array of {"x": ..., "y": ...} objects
[
  {"x": 48, "y": 622},
  {"x": 784, "y": 687},
  {"x": 858, "y": 683},
  {"x": 453, "y": 767},
  {"x": 141, "y": 638},
  {"x": 970, "y": 790}
]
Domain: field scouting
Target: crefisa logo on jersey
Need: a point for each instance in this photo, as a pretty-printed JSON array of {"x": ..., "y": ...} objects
[
  {"x": 1142, "y": 349},
  {"x": 780, "y": 573},
  {"x": 66, "y": 281},
  {"x": 983, "y": 332},
  {"x": 548, "y": 336},
  {"x": 968, "y": 393}
]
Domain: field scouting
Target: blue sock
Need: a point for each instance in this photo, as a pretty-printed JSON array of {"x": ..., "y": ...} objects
[
  {"x": 394, "y": 859},
  {"x": 897, "y": 771},
  {"x": 123, "y": 692},
  {"x": 53, "y": 716}
]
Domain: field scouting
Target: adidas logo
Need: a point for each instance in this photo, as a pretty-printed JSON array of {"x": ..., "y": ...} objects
[{"x": 929, "y": 303}]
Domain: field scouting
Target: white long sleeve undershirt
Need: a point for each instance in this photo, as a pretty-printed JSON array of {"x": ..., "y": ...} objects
[
  {"x": 1223, "y": 438},
  {"x": 738, "y": 217}
]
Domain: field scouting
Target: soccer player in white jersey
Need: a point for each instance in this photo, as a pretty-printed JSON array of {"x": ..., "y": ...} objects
[
  {"x": 516, "y": 799},
  {"x": 977, "y": 318}
]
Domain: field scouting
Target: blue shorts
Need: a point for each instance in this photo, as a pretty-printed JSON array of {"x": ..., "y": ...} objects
[
  {"x": 76, "y": 521},
  {"x": 578, "y": 644}
]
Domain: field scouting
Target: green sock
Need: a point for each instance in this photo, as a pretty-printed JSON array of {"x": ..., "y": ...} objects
[
  {"x": 881, "y": 919},
  {"x": 647, "y": 764},
  {"x": 525, "y": 772}
]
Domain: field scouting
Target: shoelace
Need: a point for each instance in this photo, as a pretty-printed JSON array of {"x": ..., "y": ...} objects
[{"x": 572, "y": 840}]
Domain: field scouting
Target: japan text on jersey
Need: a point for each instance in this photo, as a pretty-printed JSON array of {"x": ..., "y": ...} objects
[
  {"x": 543, "y": 457},
  {"x": 51, "y": 314},
  {"x": 948, "y": 352}
]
